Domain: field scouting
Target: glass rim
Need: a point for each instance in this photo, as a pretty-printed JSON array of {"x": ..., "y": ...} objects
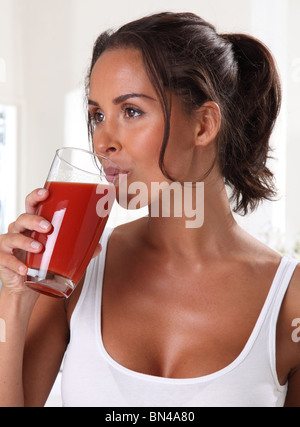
[{"x": 95, "y": 155}]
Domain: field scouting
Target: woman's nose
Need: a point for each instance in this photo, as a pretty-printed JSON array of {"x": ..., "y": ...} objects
[{"x": 106, "y": 143}]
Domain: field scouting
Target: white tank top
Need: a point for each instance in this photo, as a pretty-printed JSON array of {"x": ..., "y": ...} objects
[{"x": 92, "y": 378}]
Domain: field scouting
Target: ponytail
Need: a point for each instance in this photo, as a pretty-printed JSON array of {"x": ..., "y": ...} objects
[{"x": 254, "y": 110}]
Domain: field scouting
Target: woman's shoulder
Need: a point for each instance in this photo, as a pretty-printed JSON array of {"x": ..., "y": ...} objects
[
  {"x": 264, "y": 261},
  {"x": 253, "y": 252},
  {"x": 128, "y": 233}
]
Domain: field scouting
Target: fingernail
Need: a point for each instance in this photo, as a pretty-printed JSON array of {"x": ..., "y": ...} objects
[
  {"x": 35, "y": 245},
  {"x": 22, "y": 270},
  {"x": 44, "y": 224},
  {"x": 42, "y": 192}
]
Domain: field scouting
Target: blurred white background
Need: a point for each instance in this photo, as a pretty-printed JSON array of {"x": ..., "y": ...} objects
[{"x": 45, "y": 49}]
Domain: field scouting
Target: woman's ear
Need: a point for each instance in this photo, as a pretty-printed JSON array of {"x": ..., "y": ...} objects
[{"x": 208, "y": 123}]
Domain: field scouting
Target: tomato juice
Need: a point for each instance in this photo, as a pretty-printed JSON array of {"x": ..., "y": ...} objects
[{"x": 75, "y": 212}]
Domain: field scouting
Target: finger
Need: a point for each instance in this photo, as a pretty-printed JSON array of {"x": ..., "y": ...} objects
[
  {"x": 34, "y": 198},
  {"x": 30, "y": 222},
  {"x": 11, "y": 242},
  {"x": 9, "y": 263}
]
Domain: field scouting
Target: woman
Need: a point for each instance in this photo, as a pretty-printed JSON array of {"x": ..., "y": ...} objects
[{"x": 166, "y": 315}]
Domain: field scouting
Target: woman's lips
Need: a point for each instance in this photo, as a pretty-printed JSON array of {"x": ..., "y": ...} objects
[{"x": 112, "y": 174}]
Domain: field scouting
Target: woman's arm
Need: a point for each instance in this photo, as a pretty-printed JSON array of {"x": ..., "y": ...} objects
[
  {"x": 36, "y": 331},
  {"x": 30, "y": 357},
  {"x": 46, "y": 342},
  {"x": 15, "y": 314}
]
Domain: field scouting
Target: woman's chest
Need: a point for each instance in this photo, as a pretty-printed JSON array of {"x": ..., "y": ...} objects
[{"x": 177, "y": 324}]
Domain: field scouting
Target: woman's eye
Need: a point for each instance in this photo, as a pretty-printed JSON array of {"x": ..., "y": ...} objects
[
  {"x": 97, "y": 118},
  {"x": 132, "y": 113}
]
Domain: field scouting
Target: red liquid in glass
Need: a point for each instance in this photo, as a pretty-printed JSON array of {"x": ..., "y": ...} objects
[{"x": 76, "y": 229}]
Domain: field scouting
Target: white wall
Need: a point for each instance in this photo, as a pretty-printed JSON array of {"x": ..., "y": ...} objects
[
  {"x": 47, "y": 48},
  {"x": 11, "y": 54},
  {"x": 293, "y": 123},
  {"x": 11, "y": 95}
]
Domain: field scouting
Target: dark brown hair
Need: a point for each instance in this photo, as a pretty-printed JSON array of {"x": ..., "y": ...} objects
[{"x": 184, "y": 54}]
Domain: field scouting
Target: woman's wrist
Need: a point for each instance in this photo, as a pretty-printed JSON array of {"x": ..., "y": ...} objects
[{"x": 17, "y": 304}]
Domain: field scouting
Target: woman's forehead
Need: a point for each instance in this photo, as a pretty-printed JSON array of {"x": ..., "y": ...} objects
[{"x": 121, "y": 69}]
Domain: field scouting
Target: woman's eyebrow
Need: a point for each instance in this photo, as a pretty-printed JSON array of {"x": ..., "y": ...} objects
[
  {"x": 95, "y": 104},
  {"x": 123, "y": 98}
]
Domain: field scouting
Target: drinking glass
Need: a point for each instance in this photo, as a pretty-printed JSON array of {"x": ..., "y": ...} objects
[{"x": 82, "y": 190}]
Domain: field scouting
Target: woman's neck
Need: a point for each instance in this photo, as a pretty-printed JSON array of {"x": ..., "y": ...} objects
[{"x": 210, "y": 231}]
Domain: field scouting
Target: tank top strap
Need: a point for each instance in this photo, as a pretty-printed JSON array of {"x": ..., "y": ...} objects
[
  {"x": 270, "y": 312},
  {"x": 266, "y": 325},
  {"x": 260, "y": 350},
  {"x": 280, "y": 285},
  {"x": 268, "y": 332}
]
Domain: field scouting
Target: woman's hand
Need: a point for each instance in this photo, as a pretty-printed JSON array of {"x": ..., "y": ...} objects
[{"x": 15, "y": 244}]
